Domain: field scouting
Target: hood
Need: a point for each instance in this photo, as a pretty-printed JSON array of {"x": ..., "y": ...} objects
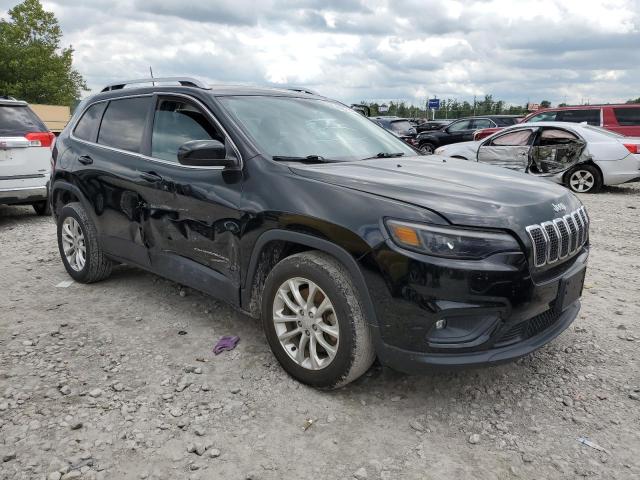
[{"x": 465, "y": 193}]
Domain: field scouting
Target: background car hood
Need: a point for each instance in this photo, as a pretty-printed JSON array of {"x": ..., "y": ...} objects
[{"x": 465, "y": 193}]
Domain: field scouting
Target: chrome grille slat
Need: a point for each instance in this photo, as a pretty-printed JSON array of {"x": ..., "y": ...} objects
[{"x": 559, "y": 238}]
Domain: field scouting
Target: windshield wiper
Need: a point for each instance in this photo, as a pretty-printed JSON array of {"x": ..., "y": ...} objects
[
  {"x": 307, "y": 159},
  {"x": 386, "y": 155}
]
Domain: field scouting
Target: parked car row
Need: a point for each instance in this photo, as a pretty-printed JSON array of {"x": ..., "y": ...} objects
[{"x": 580, "y": 156}]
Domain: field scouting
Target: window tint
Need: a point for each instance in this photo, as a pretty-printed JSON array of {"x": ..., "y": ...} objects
[
  {"x": 482, "y": 123},
  {"x": 627, "y": 116},
  {"x": 123, "y": 123},
  {"x": 87, "y": 127},
  {"x": 591, "y": 116},
  {"x": 19, "y": 120},
  {"x": 177, "y": 122},
  {"x": 543, "y": 117},
  {"x": 464, "y": 125},
  {"x": 505, "y": 121},
  {"x": 513, "y": 139}
]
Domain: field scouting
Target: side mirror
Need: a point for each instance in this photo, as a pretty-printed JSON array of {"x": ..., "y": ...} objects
[{"x": 205, "y": 153}]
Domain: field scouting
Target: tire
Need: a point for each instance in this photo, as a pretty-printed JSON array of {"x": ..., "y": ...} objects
[
  {"x": 427, "y": 148},
  {"x": 42, "y": 208},
  {"x": 583, "y": 179},
  {"x": 96, "y": 266},
  {"x": 354, "y": 352}
]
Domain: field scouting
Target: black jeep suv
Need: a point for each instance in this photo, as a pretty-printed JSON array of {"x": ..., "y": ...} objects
[{"x": 346, "y": 243}]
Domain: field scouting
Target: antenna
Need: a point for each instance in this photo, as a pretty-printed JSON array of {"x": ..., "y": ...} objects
[{"x": 151, "y": 72}]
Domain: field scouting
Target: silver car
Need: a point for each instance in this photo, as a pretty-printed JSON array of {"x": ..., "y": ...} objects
[
  {"x": 580, "y": 156},
  {"x": 25, "y": 156}
]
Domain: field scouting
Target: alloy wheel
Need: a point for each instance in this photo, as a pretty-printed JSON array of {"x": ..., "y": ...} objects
[
  {"x": 73, "y": 244},
  {"x": 306, "y": 323},
  {"x": 582, "y": 181}
]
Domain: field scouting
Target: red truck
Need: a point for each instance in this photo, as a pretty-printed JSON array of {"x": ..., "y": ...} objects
[{"x": 623, "y": 119}]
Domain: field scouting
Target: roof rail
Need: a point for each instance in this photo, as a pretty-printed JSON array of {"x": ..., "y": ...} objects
[
  {"x": 184, "y": 81},
  {"x": 303, "y": 90},
  {"x": 7, "y": 97}
]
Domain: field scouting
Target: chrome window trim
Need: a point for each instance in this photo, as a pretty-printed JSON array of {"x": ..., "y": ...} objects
[{"x": 153, "y": 159}]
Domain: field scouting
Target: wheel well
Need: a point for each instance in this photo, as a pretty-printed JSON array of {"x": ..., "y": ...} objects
[
  {"x": 271, "y": 253},
  {"x": 459, "y": 156},
  {"x": 62, "y": 197}
]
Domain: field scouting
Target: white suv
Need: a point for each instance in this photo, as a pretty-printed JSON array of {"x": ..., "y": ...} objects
[{"x": 25, "y": 156}]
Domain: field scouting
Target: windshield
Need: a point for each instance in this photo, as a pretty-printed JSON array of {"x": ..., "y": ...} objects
[{"x": 301, "y": 127}]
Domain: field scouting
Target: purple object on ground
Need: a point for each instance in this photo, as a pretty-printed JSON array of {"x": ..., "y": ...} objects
[{"x": 228, "y": 342}]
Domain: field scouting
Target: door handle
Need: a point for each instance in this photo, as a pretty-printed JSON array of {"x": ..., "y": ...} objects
[
  {"x": 150, "y": 176},
  {"x": 85, "y": 159}
]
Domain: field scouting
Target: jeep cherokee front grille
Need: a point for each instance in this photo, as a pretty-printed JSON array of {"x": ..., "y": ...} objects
[{"x": 559, "y": 238}]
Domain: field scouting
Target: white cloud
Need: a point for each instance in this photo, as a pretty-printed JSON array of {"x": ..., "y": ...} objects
[{"x": 561, "y": 50}]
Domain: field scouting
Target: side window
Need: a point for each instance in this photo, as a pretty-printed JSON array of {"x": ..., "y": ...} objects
[
  {"x": 543, "y": 117},
  {"x": 87, "y": 126},
  {"x": 627, "y": 117},
  {"x": 482, "y": 123},
  {"x": 123, "y": 123},
  {"x": 459, "y": 126},
  {"x": 591, "y": 116},
  {"x": 513, "y": 139},
  {"x": 175, "y": 123}
]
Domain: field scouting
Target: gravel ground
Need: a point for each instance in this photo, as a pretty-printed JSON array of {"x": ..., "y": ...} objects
[{"x": 97, "y": 381}]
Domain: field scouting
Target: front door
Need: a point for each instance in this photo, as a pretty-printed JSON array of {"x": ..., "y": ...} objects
[{"x": 191, "y": 219}]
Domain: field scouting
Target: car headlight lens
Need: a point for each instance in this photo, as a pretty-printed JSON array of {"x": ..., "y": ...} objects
[{"x": 450, "y": 242}]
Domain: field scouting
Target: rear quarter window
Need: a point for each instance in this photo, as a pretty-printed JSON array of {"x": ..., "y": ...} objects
[
  {"x": 19, "y": 120},
  {"x": 87, "y": 127},
  {"x": 123, "y": 123},
  {"x": 627, "y": 117}
]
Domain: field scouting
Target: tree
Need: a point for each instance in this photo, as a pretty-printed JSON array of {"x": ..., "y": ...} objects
[
  {"x": 637, "y": 100},
  {"x": 545, "y": 104},
  {"x": 33, "y": 66}
]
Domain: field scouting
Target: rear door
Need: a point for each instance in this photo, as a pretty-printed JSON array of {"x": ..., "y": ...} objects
[
  {"x": 106, "y": 161},
  {"x": 627, "y": 121},
  {"x": 25, "y": 148},
  {"x": 509, "y": 150}
]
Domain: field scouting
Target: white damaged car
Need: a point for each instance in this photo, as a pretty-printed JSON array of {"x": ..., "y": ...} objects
[{"x": 580, "y": 156}]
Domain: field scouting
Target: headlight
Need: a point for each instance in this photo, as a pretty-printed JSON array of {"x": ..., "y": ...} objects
[{"x": 450, "y": 242}]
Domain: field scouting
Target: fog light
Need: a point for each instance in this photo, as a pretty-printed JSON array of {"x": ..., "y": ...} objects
[{"x": 440, "y": 324}]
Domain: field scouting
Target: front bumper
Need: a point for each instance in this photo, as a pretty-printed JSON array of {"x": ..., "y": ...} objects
[
  {"x": 495, "y": 310},
  {"x": 22, "y": 195}
]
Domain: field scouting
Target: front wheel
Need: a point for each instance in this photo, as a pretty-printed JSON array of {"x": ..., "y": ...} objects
[
  {"x": 314, "y": 321},
  {"x": 583, "y": 179}
]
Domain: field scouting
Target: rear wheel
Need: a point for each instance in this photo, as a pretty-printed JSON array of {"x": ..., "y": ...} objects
[
  {"x": 81, "y": 253},
  {"x": 583, "y": 179},
  {"x": 427, "y": 148},
  {"x": 314, "y": 321},
  {"x": 42, "y": 208}
]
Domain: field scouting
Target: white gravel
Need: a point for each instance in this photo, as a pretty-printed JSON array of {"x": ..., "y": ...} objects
[{"x": 96, "y": 383}]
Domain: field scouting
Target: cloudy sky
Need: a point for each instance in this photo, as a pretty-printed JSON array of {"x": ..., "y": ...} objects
[{"x": 560, "y": 50}]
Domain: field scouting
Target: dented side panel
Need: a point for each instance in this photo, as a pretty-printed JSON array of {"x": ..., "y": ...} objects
[{"x": 512, "y": 157}]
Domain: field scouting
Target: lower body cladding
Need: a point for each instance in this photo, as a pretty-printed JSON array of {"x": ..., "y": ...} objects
[{"x": 451, "y": 313}]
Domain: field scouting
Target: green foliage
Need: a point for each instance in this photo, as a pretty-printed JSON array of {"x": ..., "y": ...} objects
[
  {"x": 545, "y": 104},
  {"x": 33, "y": 66},
  {"x": 637, "y": 100},
  {"x": 449, "y": 108}
]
